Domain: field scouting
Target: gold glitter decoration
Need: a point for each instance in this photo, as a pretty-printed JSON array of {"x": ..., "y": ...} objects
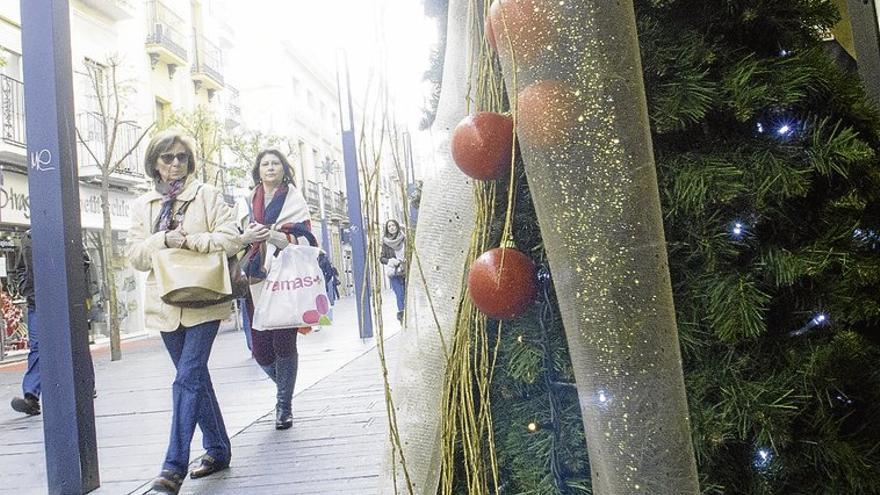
[
  {"x": 547, "y": 113},
  {"x": 587, "y": 148},
  {"x": 523, "y": 26}
]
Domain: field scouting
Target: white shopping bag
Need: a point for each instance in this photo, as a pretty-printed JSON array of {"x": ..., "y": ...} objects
[{"x": 294, "y": 293}]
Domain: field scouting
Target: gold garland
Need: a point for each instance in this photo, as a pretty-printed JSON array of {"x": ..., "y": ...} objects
[
  {"x": 471, "y": 356},
  {"x": 466, "y": 407}
]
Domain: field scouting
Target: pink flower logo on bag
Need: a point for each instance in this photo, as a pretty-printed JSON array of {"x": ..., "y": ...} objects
[{"x": 318, "y": 316}]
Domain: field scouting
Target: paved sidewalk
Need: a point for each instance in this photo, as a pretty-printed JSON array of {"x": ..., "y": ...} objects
[
  {"x": 335, "y": 446},
  {"x": 134, "y": 404}
]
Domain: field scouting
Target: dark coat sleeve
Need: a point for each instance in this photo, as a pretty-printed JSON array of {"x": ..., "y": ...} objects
[
  {"x": 23, "y": 276},
  {"x": 387, "y": 254}
]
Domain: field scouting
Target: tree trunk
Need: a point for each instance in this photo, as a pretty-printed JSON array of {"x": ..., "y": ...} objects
[
  {"x": 421, "y": 366},
  {"x": 583, "y": 129},
  {"x": 110, "y": 302}
]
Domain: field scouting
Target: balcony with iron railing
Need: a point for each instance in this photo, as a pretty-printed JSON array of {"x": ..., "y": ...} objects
[
  {"x": 233, "y": 107},
  {"x": 12, "y": 91},
  {"x": 92, "y": 150},
  {"x": 335, "y": 207},
  {"x": 89, "y": 125},
  {"x": 207, "y": 68},
  {"x": 117, "y": 10},
  {"x": 166, "y": 40},
  {"x": 340, "y": 205},
  {"x": 311, "y": 194}
]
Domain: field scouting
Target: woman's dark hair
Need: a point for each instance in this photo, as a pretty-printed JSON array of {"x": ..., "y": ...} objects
[
  {"x": 285, "y": 165},
  {"x": 389, "y": 222},
  {"x": 161, "y": 143}
]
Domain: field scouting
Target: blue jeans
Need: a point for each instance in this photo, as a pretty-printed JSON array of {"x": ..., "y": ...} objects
[
  {"x": 398, "y": 285},
  {"x": 194, "y": 399},
  {"x": 31, "y": 382},
  {"x": 246, "y": 322}
]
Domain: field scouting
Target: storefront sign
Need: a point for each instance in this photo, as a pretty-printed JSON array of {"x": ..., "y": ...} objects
[
  {"x": 15, "y": 204},
  {"x": 90, "y": 208}
]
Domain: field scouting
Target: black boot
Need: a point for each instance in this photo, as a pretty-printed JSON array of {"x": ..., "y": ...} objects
[
  {"x": 400, "y": 317},
  {"x": 207, "y": 467},
  {"x": 167, "y": 483},
  {"x": 285, "y": 369},
  {"x": 30, "y": 405},
  {"x": 270, "y": 371}
]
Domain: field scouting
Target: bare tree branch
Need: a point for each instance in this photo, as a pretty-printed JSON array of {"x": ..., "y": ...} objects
[{"x": 113, "y": 63}]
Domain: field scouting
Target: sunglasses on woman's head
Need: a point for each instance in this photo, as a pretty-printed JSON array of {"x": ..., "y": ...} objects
[{"x": 168, "y": 158}]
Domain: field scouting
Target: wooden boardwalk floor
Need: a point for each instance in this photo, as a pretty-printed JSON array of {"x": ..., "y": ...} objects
[
  {"x": 338, "y": 403},
  {"x": 335, "y": 446}
]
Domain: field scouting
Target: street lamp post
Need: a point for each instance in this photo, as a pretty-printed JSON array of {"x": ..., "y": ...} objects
[
  {"x": 328, "y": 168},
  {"x": 353, "y": 190},
  {"x": 410, "y": 178},
  {"x": 325, "y": 235}
]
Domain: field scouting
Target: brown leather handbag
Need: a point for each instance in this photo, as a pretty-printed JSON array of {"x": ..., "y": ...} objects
[{"x": 190, "y": 279}]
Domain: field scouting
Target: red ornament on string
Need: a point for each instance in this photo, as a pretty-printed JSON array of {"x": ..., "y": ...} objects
[
  {"x": 548, "y": 113},
  {"x": 481, "y": 145},
  {"x": 503, "y": 292},
  {"x": 525, "y": 25}
]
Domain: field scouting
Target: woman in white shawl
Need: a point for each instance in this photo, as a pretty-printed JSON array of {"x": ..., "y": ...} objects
[
  {"x": 276, "y": 210},
  {"x": 393, "y": 256}
]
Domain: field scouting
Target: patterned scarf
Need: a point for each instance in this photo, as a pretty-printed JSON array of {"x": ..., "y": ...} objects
[
  {"x": 266, "y": 215},
  {"x": 395, "y": 241},
  {"x": 169, "y": 193}
]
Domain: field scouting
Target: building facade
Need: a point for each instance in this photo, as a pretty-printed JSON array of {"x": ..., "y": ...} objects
[
  {"x": 170, "y": 61},
  {"x": 297, "y": 104}
]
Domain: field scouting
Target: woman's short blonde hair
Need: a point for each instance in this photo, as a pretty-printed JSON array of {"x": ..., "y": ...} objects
[{"x": 161, "y": 143}]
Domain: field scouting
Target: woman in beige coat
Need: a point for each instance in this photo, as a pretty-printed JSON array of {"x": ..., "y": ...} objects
[{"x": 208, "y": 225}]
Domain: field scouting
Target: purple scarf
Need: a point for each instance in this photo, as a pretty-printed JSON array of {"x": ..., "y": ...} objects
[{"x": 172, "y": 189}]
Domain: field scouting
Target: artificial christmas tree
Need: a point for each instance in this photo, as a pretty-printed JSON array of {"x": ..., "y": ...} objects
[
  {"x": 767, "y": 159},
  {"x": 766, "y": 156}
]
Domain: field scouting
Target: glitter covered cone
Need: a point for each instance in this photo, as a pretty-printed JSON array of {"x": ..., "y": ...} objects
[
  {"x": 525, "y": 26},
  {"x": 599, "y": 212}
]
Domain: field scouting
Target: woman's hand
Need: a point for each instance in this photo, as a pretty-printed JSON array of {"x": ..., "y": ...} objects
[
  {"x": 255, "y": 232},
  {"x": 278, "y": 239},
  {"x": 175, "y": 238}
]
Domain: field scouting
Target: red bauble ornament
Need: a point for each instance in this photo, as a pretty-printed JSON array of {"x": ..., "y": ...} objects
[
  {"x": 481, "y": 145},
  {"x": 503, "y": 292},
  {"x": 547, "y": 113},
  {"x": 525, "y": 25}
]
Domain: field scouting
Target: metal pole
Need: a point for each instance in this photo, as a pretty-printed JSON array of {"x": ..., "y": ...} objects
[
  {"x": 410, "y": 178},
  {"x": 353, "y": 188},
  {"x": 59, "y": 278},
  {"x": 325, "y": 235}
]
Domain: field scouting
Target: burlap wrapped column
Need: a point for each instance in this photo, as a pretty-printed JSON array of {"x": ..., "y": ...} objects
[{"x": 446, "y": 220}]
